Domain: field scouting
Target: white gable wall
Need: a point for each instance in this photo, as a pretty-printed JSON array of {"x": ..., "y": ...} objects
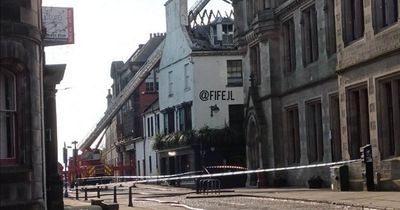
[
  {"x": 175, "y": 55},
  {"x": 210, "y": 73}
]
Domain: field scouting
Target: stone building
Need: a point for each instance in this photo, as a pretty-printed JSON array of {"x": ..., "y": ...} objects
[
  {"x": 368, "y": 68},
  {"x": 290, "y": 86},
  {"x": 29, "y": 179},
  {"x": 297, "y": 110},
  {"x": 200, "y": 87},
  {"x": 126, "y": 128}
]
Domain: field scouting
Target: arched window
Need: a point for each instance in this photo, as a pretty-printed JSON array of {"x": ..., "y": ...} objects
[{"x": 7, "y": 116}]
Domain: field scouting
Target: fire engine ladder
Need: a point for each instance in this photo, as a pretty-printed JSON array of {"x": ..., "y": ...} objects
[
  {"x": 198, "y": 6},
  {"x": 122, "y": 97}
]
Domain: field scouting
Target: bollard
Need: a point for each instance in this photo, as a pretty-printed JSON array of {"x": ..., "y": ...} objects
[
  {"x": 85, "y": 194},
  {"x": 115, "y": 194},
  {"x": 197, "y": 186},
  {"x": 76, "y": 193},
  {"x": 98, "y": 192},
  {"x": 130, "y": 197}
]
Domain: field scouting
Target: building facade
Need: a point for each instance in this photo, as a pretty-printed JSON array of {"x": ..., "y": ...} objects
[
  {"x": 290, "y": 86},
  {"x": 200, "y": 86},
  {"x": 29, "y": 176},
  {"x": 298, "y": 111},
  {"x": 126, "y": 129},
  {"x": 146, "y": 156},
  {"x": 368, "y": 68}
]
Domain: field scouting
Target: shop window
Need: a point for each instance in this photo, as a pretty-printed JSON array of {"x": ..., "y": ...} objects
[
  {"x": 309, "y": 31},
  {"x": 357, "y": 120},
  {"x": 389, "y": 115},
  {"x": 236, "y": 116},
  {"x": 385, "y": 13},
  {"x": 181, "y": 114},
  {"x": 315, "y": 144},
  {"x": 169, "y": 121},
  {"x": 234, "y": 68},
  {"x": 188, "y": 117},
  {"x": 157, "y": 123},
  {"x": 353, "y": 20},
  {"x": 289, "y": 47},
  {"x": 8, "y": 112},
  {"x": 148, "y": 127},
  {"x": 185, "y": 118},
  {"x": 293, "y": 135}
]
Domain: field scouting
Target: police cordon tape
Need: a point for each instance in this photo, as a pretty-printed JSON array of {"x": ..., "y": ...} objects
[
  {"x": 175, "y": 177},
  {"x": 138, "y": 177}
]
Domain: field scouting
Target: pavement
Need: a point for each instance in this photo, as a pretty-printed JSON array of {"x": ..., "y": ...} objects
[{"x": 362, "y": 199}]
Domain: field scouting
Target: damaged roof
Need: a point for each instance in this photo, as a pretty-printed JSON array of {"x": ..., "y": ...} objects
[{"x": 201, "y": 37}]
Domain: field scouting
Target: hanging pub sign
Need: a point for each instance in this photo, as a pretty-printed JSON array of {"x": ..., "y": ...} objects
[{"x": 58, "y": 23}]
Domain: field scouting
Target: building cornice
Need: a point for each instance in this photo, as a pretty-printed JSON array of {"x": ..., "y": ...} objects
[
  {"x": 20, "y": 31},
  {"x": 215, "y": 53}
]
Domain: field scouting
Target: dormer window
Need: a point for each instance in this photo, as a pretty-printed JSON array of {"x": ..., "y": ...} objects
[
  {"x": 227, "y": 34},
  {"x": 221, "y": 32}
]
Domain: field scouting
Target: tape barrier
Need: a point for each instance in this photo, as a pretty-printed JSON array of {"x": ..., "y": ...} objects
[
  {"x": 174, "y": 177},
  {"x": 138, "y": 177}
]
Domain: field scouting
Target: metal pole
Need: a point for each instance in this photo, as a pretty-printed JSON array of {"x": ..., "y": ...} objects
[
  {"x": 130, "y": 197},
  {"x": 76, "y": 193},
  {"x": 85, "y": 194},
  {"x": 65, "y": 157},
  {"x": 98, "y": 192},
  {"x": 75, "y": 153},
  {"x": 115, "y": 194}
]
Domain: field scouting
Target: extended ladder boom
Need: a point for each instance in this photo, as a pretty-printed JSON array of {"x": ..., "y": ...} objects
[
  {"x": 123, "y": 96},
  {"x": 196, "y": 8}
]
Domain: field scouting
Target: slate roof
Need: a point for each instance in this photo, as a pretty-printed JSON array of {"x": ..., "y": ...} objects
[{"x": 139, "y": 57}]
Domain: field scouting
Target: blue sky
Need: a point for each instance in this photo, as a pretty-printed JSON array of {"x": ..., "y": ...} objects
[{"x": 105, "y": 31}]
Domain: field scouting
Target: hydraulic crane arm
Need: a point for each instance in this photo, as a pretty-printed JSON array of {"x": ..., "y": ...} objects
[{"x": 121, "y": 99}]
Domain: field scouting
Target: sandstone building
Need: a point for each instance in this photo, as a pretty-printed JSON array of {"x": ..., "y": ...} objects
[
  {"x": 314, "y": 74},
  {"x": 29, "y": 179}
]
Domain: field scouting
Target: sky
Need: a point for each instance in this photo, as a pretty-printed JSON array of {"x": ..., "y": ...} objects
[{"x": 105, "y": 31}]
